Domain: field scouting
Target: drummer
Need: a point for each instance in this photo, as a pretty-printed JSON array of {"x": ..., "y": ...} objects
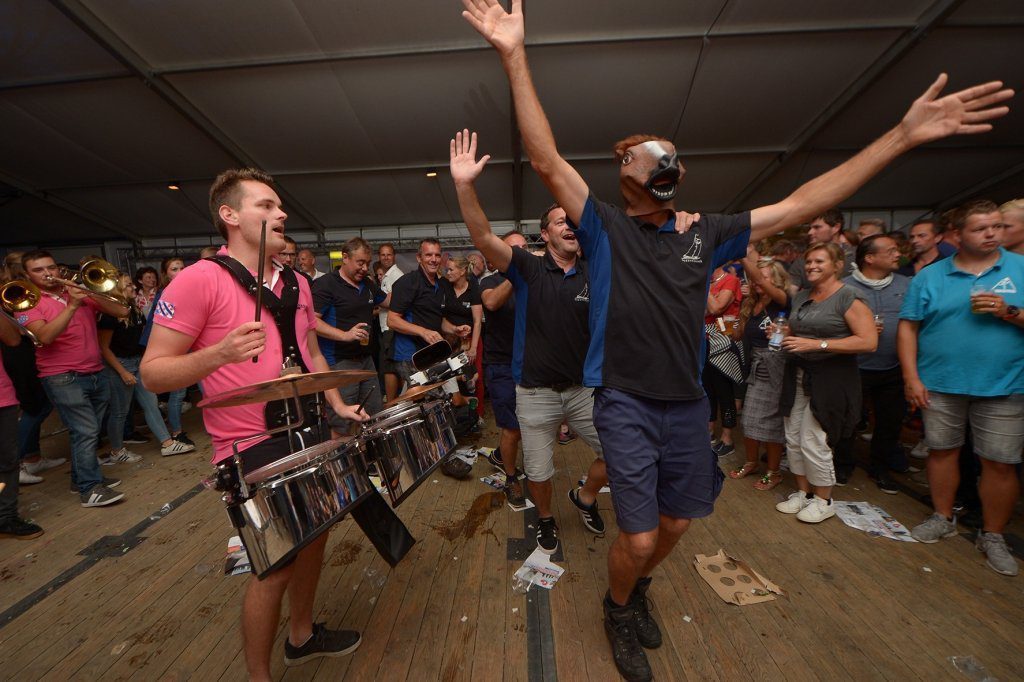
[
  {"x": 204, "y": 330},
  {"x": 345, "y": 300}
]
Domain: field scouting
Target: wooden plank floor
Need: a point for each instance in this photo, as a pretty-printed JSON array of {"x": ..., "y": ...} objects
[{"x": 135, "y": 591}]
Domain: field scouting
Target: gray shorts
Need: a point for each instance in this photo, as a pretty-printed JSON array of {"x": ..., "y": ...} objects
[
  {"x": 540, "y": 412},
  {"x": 997, "y": 424},
  {"x": 353, "y": 394}
]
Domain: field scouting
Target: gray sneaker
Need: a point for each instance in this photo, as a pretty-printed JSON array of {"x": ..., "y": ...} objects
[
  {"x": 100, "y": 496},
  {"x": 999, "y": 558},
  {"x": 934, "y": 529}
]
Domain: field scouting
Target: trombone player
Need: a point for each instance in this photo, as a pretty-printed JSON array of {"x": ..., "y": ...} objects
[{"x": 70, "y": 366}]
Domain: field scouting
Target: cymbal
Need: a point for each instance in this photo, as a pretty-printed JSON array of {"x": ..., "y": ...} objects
[
  {"x": 284, "y": 387},
  {"x": 414, "y": 393}
]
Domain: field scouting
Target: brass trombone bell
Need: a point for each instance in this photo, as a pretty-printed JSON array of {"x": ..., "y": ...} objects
[
  {"x": 96, "y": 276},
  {"x": 19, "y": 295}
]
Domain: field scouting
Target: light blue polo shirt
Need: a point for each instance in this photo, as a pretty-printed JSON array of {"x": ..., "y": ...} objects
[{"x": 960, "y": 352}]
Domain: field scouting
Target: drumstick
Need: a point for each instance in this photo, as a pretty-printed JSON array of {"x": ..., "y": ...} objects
[
  {"x": 366, "y": 399},
  {"x": 260, "y": 273}
]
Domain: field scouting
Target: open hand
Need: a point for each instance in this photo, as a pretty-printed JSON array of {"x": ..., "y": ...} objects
[
  {"x": 961, "y": 113},
  {"x": 504, "y": 30},
  {"x": 462, "y": 150}
]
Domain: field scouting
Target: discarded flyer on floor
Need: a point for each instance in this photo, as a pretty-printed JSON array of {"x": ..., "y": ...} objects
[
  {"x": 527, "y": 504},
  {"x": 538, "y": 570},
  {"x": 871, "y": 519},
  {"x": 237, "y": 560},
  {"x": 467, "y": 455},
  {"x": 495, "y": 480},
  {"x": 734, "y": 580},
  {"x": 604, "y": 488}
]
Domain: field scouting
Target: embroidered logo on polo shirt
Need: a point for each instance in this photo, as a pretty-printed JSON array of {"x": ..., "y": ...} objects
[
  {"x": 693, "y": 255},
  {"x": 1005, "y": 286},
  {"x": 584, "y": 296},
  {"x": 165, "y": 309}
]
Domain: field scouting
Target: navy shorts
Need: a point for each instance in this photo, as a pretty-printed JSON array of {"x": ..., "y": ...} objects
[
  {"x": 502, "y": 389},
  {"x": 659, "y": 458}
]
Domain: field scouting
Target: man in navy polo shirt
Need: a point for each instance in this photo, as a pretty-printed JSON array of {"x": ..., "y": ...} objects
[
  {"x": 418, "y": 302},
  {"x": 963, "y": 307},
  {"x": 344, "y": 300},
  {"x": 646, "y": 345},
  {"x": 552, "y": 303}
]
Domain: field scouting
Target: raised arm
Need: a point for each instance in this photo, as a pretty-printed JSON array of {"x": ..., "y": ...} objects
[
  {"x": 929, "y": 118},
  {"x": 506, "y": 32},
  {"x": 465, "y": 170}
]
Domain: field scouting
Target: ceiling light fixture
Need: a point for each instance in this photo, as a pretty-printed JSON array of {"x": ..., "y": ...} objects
[
  {"x": 432, "y": 174},
  {"x": 173, "y": 186}
]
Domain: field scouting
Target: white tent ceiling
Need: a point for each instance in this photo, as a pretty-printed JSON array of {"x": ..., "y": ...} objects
[{"x": 348, "y": 104}]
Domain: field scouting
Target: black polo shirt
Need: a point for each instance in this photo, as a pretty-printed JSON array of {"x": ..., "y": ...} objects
[
  {"x": 499, "y": 325},
  {"x": 422, "y": 303},
  {"x": 344, "y": 306},
  {"x": 649, "y": 288},
  {"x": 462, "y": 310},
  {"x": 551, "y": 329},
  {"x": 124, "y": 343}
]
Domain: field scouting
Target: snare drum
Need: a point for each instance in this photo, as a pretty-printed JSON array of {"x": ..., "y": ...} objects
[
  {"x": 406, "y": 442},
  {"x": 296, "y": 498}
]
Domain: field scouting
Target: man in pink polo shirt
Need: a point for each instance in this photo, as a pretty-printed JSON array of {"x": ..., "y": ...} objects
[
  {"x": 203, "y": 330},
  {"x": 11, "y": 525},
  {"x": 70, "y": 369}
]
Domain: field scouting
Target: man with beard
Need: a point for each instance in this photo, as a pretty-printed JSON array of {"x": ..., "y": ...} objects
[{"x": 649, "y": 408}]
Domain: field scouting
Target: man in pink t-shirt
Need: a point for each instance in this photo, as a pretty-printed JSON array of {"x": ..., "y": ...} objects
[
  {"x": 203, "y": 331},
  {"x": 70, "y": 369},
  {"x": 11, "y": 525}
]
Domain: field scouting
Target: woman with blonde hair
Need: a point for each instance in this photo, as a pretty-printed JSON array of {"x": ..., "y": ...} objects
[
  {"x": 761, "y": 420},
  {"x": 821, "y": 398}
]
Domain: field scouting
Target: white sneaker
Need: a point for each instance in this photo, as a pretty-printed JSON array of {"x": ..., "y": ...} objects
[
  {"x": 793, "y": 504},
  {"x": 122, "y": 456},
  {"x": 185, "y": 406},
  {"x": 816, "y": 511},
  {"x": 43, "y": 464},
  {"x": 920, "y": 451},
  {"x": 867, "y": 436},
  {"x": 176, "y": 448},
  {"x": 26, "y": 478}
]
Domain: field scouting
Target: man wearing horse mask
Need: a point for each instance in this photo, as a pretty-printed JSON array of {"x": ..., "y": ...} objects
[{"x": 649, "y": 409}]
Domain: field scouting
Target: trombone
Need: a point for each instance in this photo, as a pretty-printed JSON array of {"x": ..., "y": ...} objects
[
  {"x": 96, "y": 276},
  {"x": 17, "y": 296}
]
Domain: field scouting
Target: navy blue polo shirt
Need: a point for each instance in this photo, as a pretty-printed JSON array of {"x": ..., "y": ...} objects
[
  {"x": 499, "y": 325},
  {"x": 551, "y": 328},
  {"x": 648, "y": 289},
  {"x": 343, "y": 305},
  {"x": 422, "y": 303}
]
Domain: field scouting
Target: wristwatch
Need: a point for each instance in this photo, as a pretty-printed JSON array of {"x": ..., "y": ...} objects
[
  {"x": 823, "y": 345},
  {"x": 1011, "y": 312}
]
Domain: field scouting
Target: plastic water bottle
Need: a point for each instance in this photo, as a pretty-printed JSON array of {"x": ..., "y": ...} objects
[{"x": 778, "y": 332}]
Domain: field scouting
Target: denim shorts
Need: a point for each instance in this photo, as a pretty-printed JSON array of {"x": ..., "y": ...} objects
[
  {"x": 659, "y": 458},
  {"x": 502, "y": 389},
  {"x": 997, "y": 424}
]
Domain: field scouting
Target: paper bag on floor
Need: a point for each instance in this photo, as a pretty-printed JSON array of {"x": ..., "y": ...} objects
[{"x": 734, "y": 580}]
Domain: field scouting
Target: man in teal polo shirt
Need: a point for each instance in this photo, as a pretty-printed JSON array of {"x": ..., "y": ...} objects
[{"x": 961, "y": 347}]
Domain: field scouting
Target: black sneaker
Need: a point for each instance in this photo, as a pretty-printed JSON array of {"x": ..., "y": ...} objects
[
  {"x": 514, "y": 494},
  {"x": 591, "y": 517},
  {"x": 885, "y": 485},
  {"x": 323, "y": 643},
  {"x": 647, "y": 631},
  {"x": 456, "y": 467},
  {"x": 19, "y": 529},
  {"x": 842, "y": 478},
  {"x": 620, "y": 626},
  {"x": 547, "y": 535},
  {"x": 494, "y": 457},
  {"x": 100, "y": 496},
  {"x": 183, "y": 438},
  {"x": 135, "y": 438}
]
